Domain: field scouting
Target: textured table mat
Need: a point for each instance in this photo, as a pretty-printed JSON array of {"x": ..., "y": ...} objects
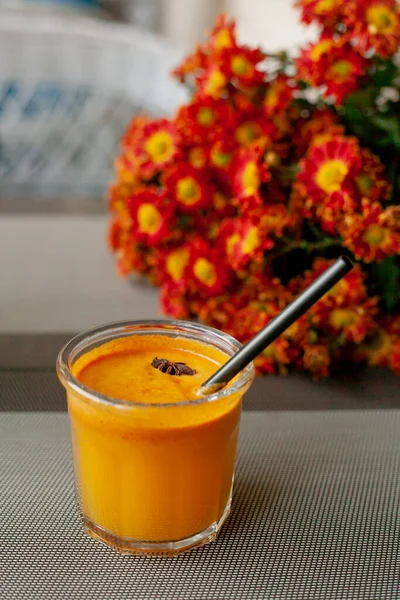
[{"x": 316, "y": 515}]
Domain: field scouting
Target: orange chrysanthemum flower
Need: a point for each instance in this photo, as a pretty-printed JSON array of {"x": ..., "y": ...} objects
[
  {"x": 316, "y": 359},
  {"x": 172, "y": 265},
  {"x": 244, "y": 241},
  {"x": 223, "y": 35},
  {"x": 151, "y": 215},
  {"x": 212, "y": 82},
  {"x": 371, "y": 182},
  {"x": 221, "y": 155},
  {"x": 204, "y": 120},
  {"x": 317, "y": 127},
  {"x": 192, "y": 65},
  {"x": 329, "y": 167},
  {"x": 188, "y": 188},
  {"x": 206, "y": 271},
  {"x": 157, "y": 147},
  {"x": 374, "y": 25},
  {"x": 278, "y": 95},
  {"x": 174, "y": 301},
  {"x": 352, "y": 323},
  {"x": 368, "y": 234},
  {"x": 198, "y": 156},
  {"x": 248, "y": 174},
  {"x": 240, "y": 64},
  {"x": 334, "y": 65},
  {"x": 325, "y": 12},
  {"x": 274, "y": 218}
]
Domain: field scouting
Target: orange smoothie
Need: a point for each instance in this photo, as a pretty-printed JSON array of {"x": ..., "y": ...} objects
[{"x": 158, "y": 465}]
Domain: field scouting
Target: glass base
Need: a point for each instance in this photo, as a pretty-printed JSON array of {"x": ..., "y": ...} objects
[{"x": 143, "y": 548}]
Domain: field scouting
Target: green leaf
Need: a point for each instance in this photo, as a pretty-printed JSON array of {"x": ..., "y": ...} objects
[
  {"x": 390, "y": 125},
  {"x": 384, "y": 74},
  {"x": 362, "y": 99},
  {"x": 387, "y": 274}
]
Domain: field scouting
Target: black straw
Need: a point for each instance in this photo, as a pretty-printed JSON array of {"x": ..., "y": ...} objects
[{"x": 278, "y": 325}]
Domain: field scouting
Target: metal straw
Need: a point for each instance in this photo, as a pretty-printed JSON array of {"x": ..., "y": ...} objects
[{"x": 278, "y": 325}]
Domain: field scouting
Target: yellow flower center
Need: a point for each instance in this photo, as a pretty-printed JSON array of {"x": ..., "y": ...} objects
[
  {"x": 320, "y": 49},
  {"x": 381, "y": 20},
  {"x": 251, "y": 178},
  {"x": 220, "y": 159},
  {"x": 330, "y": 175},
  {"x": 374, "y": 235},
  {"x": 188, "y": 191},
  {"x": 205, "y": 116},
  {"x": 240, "y": 65},
  {"x": 216, "y": 82},
  {"x": 197, "y": 157},
  {"x": 247, "y": 132},
  {"x": 343, "y": 317},
  {"x": 220, "y": 201},
  {"x": 365, "y": 184},
  {"x": 176, "y": 263},
  {"x": 205, "y": 271},
  {"x": 231, "y": 242},
  {"x": 252, "y": 241},
  {"x": 159, "y": 146},
  {"x": 223, "y": 39},
  {"x": 340, "y": 70},
  {"x": 271, "y": 99},
  {"x": 149, "y": 218},
  {"x": 324, "y": 6}
]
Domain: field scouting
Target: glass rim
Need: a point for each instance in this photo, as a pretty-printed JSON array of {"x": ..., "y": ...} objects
[{"x": 69, "y": 381}]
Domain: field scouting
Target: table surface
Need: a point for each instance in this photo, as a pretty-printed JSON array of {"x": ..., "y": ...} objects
[
  {"x": 315, "y": 515},
  {"x": 317, "y": 489}
]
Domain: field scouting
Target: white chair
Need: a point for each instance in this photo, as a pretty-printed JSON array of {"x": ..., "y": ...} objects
[{"x": 69, "y": 84}]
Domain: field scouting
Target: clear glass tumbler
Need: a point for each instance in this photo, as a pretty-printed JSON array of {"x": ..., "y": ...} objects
[{"x": 153, "y": 478}]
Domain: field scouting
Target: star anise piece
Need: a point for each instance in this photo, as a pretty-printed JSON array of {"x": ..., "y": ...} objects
[{"x": 172, "y": 368}]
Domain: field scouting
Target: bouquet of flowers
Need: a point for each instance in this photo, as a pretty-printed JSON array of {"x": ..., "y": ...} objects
[{"x": 275, "y": 167}]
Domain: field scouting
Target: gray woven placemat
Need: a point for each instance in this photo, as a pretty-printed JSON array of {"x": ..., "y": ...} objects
[{"x": 316, "y": 515}]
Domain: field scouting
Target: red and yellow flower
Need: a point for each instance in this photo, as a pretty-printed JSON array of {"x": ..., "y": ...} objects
[
  {"x": 315, "y": 128},
  {"x": 370, "y": 182},
  {"x": 368, "y": 234},
  {"x": 157, "y": 147},
  {"x": 326, "y": 12},
  {"x": 244, "y": 241},
  {"x": 173, "y": 263},
  {"x": 204, "y": 120},
  {"x": 192, "y": 65},
  {"x": 316, "y": 359},
  {"x": 329, "y": 167},
  {"x": 223, "y": 35},
  {"x": 188, "y": 188},
  {"x": 152, "y": 217},
  {"x": 351, "y": 323},
  {"x": 249, "y": 174},
  {"x": 212, "y": 82},
  {"x": 278, "y": 95},
  {"x": 206, "y": 271},
  {"x": 241, "y": 64},
  {"x": 221, "y": 155},
  {"x": 335, "y": 65},
  {"x": 174, "y": 301},
  {"x": 374, "y": 25}
]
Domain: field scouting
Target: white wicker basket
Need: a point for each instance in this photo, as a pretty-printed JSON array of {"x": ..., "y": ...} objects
[{"x": 68, "y": 87}]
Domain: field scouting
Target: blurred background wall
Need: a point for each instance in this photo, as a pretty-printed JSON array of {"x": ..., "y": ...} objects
[{"x": 271, "y": 23}]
